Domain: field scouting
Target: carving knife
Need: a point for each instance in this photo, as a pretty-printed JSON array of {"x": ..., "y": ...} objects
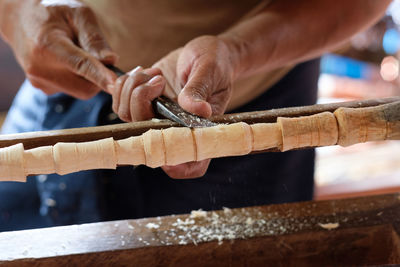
[{"x": 169, "y": 109}]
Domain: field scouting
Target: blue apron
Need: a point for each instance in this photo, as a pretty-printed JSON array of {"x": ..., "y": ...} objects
[{"x": 136, "y": 192}]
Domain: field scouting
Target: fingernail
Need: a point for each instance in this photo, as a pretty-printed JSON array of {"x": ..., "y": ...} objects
[
  {"x": 195, "y": 99},
  {"x": 156, "y": 80},
  {"x": 192, "y": 96},
  {"x": 135, "y": 70}
]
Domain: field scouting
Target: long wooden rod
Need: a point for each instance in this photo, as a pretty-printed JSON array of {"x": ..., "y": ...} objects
[{"x": 125, "y": 130}]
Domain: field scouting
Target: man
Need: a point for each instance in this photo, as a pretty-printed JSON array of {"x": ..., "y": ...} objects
[{"x": 210, "y": 56}]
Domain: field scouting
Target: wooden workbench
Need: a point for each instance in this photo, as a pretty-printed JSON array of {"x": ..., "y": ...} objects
[{"x": 360, "y": 231}]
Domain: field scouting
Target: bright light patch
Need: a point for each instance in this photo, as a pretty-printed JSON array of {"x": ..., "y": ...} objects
[
  {"x": 70, "y": 3},
  {"x": 390, "y": 68}
]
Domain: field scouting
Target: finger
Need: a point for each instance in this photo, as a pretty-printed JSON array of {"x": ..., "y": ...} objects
[
  {"x": 83, "y": 64},
  {"x": 118, "y": 86},
  {"x": 90, "y": 37},
  {"x": 187, "y": 170},
  {"x": 141, "y": 99},
  {"x": 67, "y": 82},
  {"x": 193, "y": 97},
  {"x": 135, "y": 79},
  {"x": 116, "y": 92},
  {"x": 169, "y": 68},
  {"x": 41, "y": 84}
]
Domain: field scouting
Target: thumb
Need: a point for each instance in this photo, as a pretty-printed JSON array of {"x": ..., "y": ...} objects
[
  {"x": 193, "y": 97},
  {"x": 90, "y": 37}
]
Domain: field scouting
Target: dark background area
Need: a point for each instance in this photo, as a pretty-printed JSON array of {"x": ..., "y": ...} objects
[{"x": 11, "y": 76}]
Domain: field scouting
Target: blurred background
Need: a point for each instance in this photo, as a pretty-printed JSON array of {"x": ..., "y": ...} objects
[{"x": 367, "y": 67}]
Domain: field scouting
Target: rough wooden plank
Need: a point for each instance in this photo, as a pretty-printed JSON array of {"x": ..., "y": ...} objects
[
  {"x": 366, "y": 232},
  {"x": 273, "y": 114},
  {"x": 120, "y": 131},
  {"x": 84, "y": 134}
]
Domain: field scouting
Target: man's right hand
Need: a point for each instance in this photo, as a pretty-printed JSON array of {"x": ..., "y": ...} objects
[{"x": 59, "y": 45}]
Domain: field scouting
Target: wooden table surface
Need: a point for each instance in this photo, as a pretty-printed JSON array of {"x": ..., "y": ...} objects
[{"x": 359, "y": 231}]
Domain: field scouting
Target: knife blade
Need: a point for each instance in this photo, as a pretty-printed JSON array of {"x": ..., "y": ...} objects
[{"x": 171, "y": 110}]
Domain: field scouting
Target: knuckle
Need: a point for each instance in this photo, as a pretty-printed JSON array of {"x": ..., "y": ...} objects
[
  {"x": 115, "y": 108},
  {"x": 124, "y": 114},
  {"x": 81, "y": 64},
  {"x": 88, "y": 90},
  {"x": 120, "y": 81},
  {"x": 40, "y": 85},
  {"x": 35, "y": 82},
  {"x": 124, "y": 117},
  {"x": 86, "y": 95},
  {"x": 43, "y": 40},
  {"x": 141, "y": 93},
  {"x": 94, "y": 38},
  {"x": 38, "y": 49},
  {"x": 46, "y": 39},
  {"x": 84, "y": 12},
  {"x": 199, "y": 89},
  {"x": 138, "y": 77},
  {"x": 30, "y": 68},
  {"x": 33, "y": 63}
]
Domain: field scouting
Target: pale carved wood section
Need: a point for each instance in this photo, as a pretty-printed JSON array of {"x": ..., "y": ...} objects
[
  {"x": 346, "y": 126},
  {"x": 126, "y": 130}
]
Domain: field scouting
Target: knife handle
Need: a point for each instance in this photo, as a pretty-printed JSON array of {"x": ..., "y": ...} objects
[{"x": 116, "y": 70}]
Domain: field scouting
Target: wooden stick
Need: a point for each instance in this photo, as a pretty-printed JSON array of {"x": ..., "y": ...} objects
[
  {"x": 172, "y": 146},
  {"x": 268, "y": 116},
  {"x": 125, "y": 130}
]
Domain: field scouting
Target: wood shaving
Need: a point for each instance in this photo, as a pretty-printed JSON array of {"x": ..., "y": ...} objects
[
  {"x": 152, "y": 226},
  {"x": 249, "y": 221},
  {"x": 195, "y": 214},
  {"x": 227, "y": 210},
  {"x": 329, "y": 226}
]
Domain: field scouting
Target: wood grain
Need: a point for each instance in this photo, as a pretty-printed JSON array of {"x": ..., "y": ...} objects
[
  {"x": 367, "y": 233},
  {"x": 124, "y": 130}
]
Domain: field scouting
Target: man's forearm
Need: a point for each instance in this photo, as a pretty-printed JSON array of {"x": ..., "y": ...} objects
[{"x": 288, "y": 32}]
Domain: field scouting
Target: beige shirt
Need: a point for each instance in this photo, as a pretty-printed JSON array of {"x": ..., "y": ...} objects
[{"x": 142, "y": 32}]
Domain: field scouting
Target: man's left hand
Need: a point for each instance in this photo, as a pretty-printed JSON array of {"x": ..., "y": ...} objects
[{"x": 198, "y": 76}]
